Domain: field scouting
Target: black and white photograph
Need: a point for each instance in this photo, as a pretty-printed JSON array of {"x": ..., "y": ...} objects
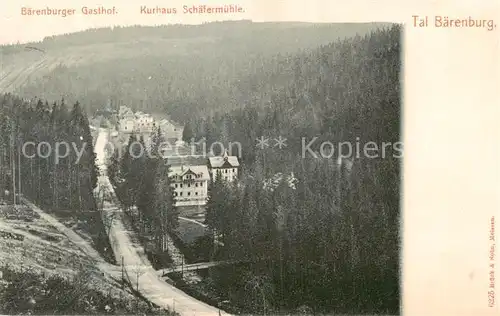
[{"x": 222, "y": 168}]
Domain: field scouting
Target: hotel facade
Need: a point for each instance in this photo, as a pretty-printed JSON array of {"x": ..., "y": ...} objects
[{"x": 191, "y": 176}]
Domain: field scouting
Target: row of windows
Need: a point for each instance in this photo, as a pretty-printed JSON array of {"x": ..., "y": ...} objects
[
  {"x": 180, "y": 193},
  {"x": 190, "y": 176},
  {"x": 226, "y": 170},
  {"x": 177, "y": 185},
  {"x": 132, "y": 128}
]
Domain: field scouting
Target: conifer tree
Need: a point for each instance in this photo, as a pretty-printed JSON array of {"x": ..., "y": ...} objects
[{"x": 166, "y": 214}]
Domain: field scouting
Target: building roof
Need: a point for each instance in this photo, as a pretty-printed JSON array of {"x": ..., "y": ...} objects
[
  {"x": 186, "y": 160},
  {"x": 185, "y": 169},
  {"x": 224, "y": 161},
  {"x": 127, "y": 118},
  {"x": 106, "y": 111},
  {"x": 165, "y": 122},
  {"x": 168, "y": 119},
  {"x": 127, "y": 114},
  {"x": 168, "y": 123},
  {"x": 123, "y": 110}
]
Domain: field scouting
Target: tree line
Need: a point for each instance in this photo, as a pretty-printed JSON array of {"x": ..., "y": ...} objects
[
  {"x": 329, "y": 239},
  {"x": 30, "y": 132},
  {"x": 177, "y": 69}
]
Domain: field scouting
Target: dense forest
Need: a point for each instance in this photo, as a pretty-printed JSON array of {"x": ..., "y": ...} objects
[
  {"x": 176, "y": 69},
  {"x": 47, "y": 156},
  {"x": 141, "y": 182},
  {"x": 331, "y": 240},
  {"x": 30, "y": 134}
]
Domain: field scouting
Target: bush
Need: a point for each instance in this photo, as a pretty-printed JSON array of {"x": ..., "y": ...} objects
[{"x": 28, "y": 292}]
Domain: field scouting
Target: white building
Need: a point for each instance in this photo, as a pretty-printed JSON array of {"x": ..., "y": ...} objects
[
  {"x": 144, "y": 123},
  {"x": 226, "y": 165},
  {"x": 171, "y": 129},
  {"x": 124, "y": 110},
  {"x": 190, "y": 184},
  {"x": 127, "y": 122},
  {"x": 136, "y": 123}
]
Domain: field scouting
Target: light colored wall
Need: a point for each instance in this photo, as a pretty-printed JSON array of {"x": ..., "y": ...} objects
[
  {"x": 171, "y": 131},
  {"x": 228, "y": 174},
  {"x": 127, "y": 125},
  {"x": 194, "y": 193},
  {"x": 199, "y": 187},
  {"x": 144, "y": 124}
]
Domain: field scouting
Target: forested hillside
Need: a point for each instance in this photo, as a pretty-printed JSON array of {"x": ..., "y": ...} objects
[
  {"x": 29, "y": 134},
  {"x": 176, "y": 69},
  {"x": 332, "y": 241},
  {"x": 47, "y": 156}
]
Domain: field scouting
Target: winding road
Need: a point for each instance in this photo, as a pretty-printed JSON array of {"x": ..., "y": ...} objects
[{"x": 138, "y": 269}]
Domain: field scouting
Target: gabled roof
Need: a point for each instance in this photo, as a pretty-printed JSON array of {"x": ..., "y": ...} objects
[
  {"x": 127, "y": 114},
  {"x": 171, "y": 123},
  {"x": 183, "y": 170},
  {"x": 188, "y": 171},
  {"x": 124, "y": 109},
  {"x": 186, "y": 160},
  {"x": 166, "y": 122},
  {"x": 220, "y": 162},
  {"x": 224, "y": 161}
]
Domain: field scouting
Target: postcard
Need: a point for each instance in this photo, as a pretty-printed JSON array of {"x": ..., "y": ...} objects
[{"x": 249, "y": 157}]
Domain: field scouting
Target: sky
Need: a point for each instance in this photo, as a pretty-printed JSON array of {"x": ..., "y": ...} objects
[{"x": 16, "y": 27}]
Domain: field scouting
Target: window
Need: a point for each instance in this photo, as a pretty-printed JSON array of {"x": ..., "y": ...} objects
[
  {"x": 180, "y": 193},
  {"x": 176, "y": 185},
  {"x": 225, "y": 171},
  {"x": 189, "y": 193},
  {"x": 196, "y": 184},
  {"x": 175, "y": 193},
  {"x": 234, "y": 169},
  {"x": 181, "y": 185},
  {"x": 196, "y": 193},
  {"x": 189, "y": 185}
]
